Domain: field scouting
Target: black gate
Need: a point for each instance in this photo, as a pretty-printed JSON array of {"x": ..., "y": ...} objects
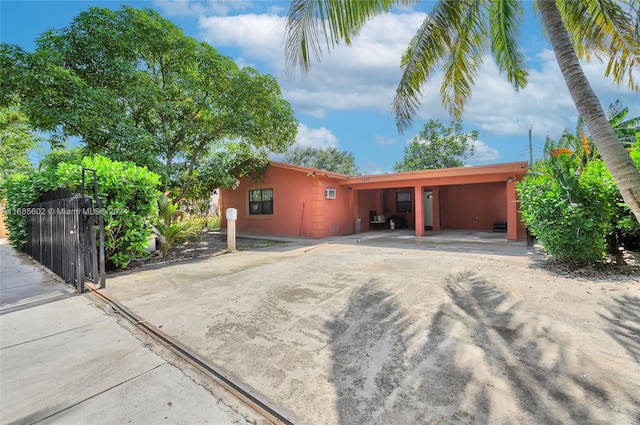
[{"x": 62, "y": 228}]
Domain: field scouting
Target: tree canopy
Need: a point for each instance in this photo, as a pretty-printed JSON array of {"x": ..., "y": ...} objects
[
  {"x": 329, "y": 159},
  {"x": 455, "y": 36},
  {"x": 438, "y": 146},
  {"x": 134, "y": 87},
  {"x": 17, "y": 138}
]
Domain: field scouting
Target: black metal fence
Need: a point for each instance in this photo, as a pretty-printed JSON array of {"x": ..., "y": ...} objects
[{"x": 62, "y": 229}]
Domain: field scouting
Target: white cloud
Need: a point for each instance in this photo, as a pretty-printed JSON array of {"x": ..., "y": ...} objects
[
  {"x": 319, "y": 138},
  {"x": 484, "y": 153},
  {"x": 361, "y": 76},
  {"x": 382, "y": 140},
  {"x": 258, "y": 37}
]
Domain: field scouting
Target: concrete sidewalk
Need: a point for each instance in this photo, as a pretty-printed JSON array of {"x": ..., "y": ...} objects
[{"x": 62, "y": 360}]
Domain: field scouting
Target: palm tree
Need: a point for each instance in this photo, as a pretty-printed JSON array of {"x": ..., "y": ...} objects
[
  {"x": 456, "y": 34},
  {"x": 627, "y": 129}
]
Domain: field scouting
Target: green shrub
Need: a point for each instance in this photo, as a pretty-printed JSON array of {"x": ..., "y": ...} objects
[
  {"x": 191, "y": 228},
  {"x": 570, "y": 213},
  {"x": 213, "y": 222},
  {"x": 627, "y": 225},
  {"x": 129, "y": 193},
  {"x": 21, "y": 191}
]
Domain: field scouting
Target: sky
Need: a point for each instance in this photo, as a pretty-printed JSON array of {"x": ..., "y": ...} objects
[{"x": 345, "y": 100}]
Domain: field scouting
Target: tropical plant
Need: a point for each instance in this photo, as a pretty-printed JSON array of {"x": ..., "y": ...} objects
[
  {"x": 438, "y": 146},
  {"x": 166, "y": 226},
  {"x": 134, "y": 87},
  {"x": 627, "y": 129},
  {"x": 579, "y": 146},
  {"x": 329, "y": 159},
  {"x": 571, "y": 204},
  {"x": 455, "y": 35}
]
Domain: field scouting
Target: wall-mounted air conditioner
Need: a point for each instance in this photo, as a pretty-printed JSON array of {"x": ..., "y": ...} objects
[{"x": 330, "y": 193}]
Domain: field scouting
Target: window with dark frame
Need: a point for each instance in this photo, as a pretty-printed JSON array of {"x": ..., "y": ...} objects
[
  {"x": 261, "y": 201},
  {"x": 403, "y": 202}
]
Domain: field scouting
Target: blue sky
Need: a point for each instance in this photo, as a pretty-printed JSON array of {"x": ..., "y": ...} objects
[{"x": 345, "y": 101}]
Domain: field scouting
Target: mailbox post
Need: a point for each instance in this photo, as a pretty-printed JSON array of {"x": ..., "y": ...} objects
[{"x": 232, "y": 216}]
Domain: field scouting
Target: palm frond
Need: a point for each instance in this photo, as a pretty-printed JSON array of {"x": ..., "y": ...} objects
[
  {"x": 505, "y": 19},
  {"x": 465, "y": 56},
  {"x": 336, "y": 20},
  {"x": 454, "y": 35},
  {"x": 627, "y": 129},
  {"x": 606, "y": 30},
  {"x": 427, "y": 48}
]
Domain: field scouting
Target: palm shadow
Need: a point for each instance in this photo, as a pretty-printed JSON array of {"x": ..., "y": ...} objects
[
  {"x": 624, "y": 323},
  {"x": 482, "y": 359}
]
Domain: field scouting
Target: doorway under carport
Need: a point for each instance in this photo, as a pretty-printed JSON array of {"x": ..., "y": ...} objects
[{"x": 468, "y": 198}]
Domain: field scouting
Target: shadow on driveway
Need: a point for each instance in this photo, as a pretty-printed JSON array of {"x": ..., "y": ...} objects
[
  {"x": 624, "y": 323},
  {"x": 485, "y": 360}
]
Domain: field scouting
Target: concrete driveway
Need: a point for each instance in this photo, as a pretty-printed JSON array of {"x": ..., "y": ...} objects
[{"x": 386, "y": 328}]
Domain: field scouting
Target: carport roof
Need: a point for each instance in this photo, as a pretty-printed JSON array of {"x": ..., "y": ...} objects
[{"x": 516, "y": 169}]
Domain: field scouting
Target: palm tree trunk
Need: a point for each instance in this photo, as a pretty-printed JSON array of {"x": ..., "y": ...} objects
[{"x": 613, "y": 153}]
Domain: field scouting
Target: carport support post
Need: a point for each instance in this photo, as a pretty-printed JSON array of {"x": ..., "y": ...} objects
[
  {"x": 419, "y": 210},
  {"x": 232, "y": 216}
]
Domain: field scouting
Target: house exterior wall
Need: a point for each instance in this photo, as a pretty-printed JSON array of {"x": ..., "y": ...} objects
[
  {"x": 336, "y": 216},
  {"x": 368, "y": 200},
  {"x": 473, "y": 206},
  {"x": 299, "y": 206},
  {"x": 459, "y": 196}
]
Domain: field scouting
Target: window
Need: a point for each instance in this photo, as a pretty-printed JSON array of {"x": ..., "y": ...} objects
[
  {"x": 403, "y": 202},
  {"x": 261, "y": 201}
]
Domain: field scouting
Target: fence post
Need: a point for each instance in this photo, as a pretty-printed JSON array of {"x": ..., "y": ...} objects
[
  {"x": 101, "y": 272},
  {"x": 78, "y": 253}
]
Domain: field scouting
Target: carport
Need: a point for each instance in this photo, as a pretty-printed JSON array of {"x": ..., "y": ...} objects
[{"x": 468, "y": 198}]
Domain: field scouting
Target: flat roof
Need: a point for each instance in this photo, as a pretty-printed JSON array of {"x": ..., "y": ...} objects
[{"x": 515, "y": 168}]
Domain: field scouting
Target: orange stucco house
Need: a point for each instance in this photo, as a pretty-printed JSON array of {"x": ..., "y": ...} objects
[{"x": 291, "y": 200}]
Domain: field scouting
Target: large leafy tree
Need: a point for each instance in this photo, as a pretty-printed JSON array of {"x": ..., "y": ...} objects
[
  {"x": 222, "y": 166},
  {"x": 438, "y": 146},
  {"x": 134, "y": 87},
  {"x": 455, "y": 36},
  {"x": 329, "y": 159},
  {"x": 17, "y": 138}
]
